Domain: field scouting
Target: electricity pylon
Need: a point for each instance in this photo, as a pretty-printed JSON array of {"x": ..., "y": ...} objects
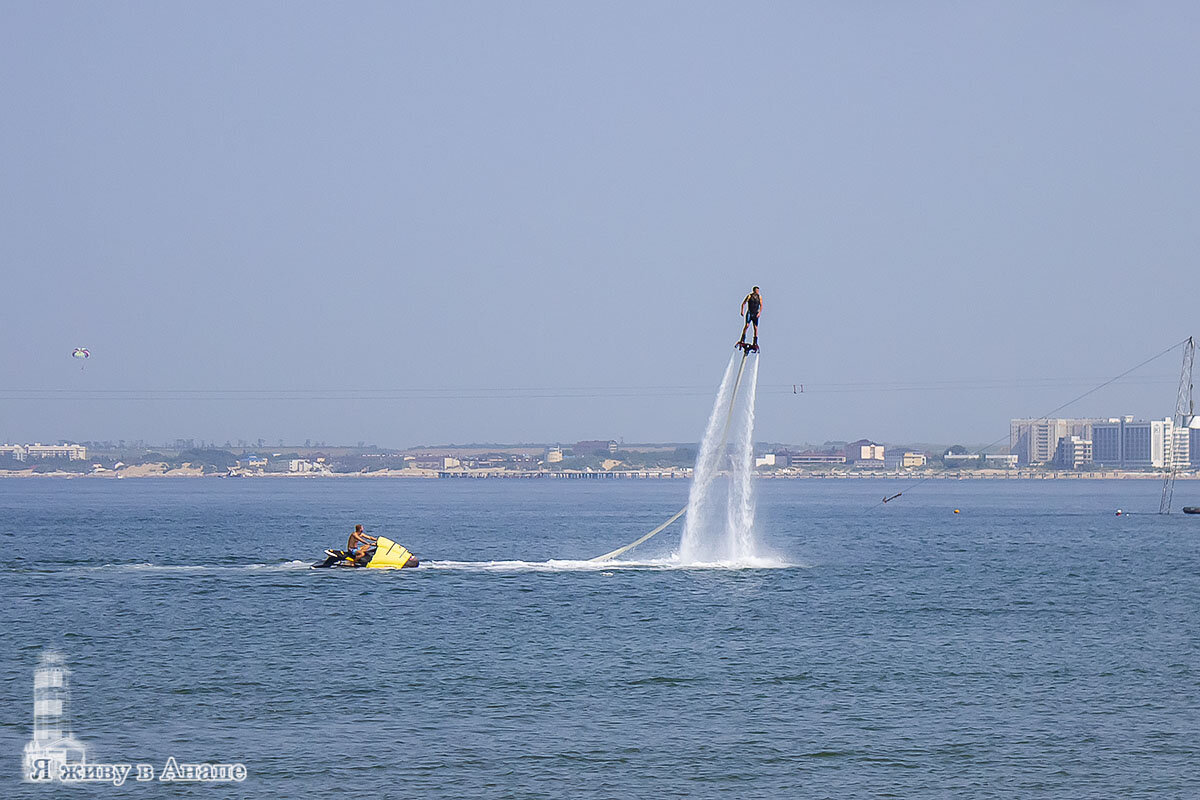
[{"x": 1184, "y": 412}]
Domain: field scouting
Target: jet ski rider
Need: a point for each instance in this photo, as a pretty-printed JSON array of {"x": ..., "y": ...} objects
[{"x": 360, "y": 546}]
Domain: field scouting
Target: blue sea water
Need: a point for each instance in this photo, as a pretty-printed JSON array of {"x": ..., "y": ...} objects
[{"x": 1033, "y": 646}]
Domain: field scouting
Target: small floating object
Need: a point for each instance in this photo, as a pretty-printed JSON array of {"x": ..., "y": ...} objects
[
  {"x": 1191, "y": 509},
  {"x": 956, "y": 511},
  {"x": 1120, "y": 512}
]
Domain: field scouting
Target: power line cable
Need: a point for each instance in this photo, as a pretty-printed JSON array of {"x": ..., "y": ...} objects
[
  {"x": 1050, "y": 413},
  {"x": 531, "y": 393}
]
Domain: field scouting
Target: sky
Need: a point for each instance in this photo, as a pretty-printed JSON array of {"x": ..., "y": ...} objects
[{"x": 432, "y": 222}]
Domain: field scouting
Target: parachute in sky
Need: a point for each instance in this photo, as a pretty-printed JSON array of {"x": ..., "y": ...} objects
[{"x": 82, "y": 354}]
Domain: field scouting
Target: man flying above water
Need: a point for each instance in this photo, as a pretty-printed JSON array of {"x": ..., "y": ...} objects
[{"x": 751, "y": 305}]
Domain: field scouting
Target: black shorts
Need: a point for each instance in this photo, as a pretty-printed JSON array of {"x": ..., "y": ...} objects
[{"x": 751, "y": 317}]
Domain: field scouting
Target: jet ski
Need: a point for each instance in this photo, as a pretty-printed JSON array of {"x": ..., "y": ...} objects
[
  {"x": 1191, "y": 509},
  {"x": 386, "y": 554}
]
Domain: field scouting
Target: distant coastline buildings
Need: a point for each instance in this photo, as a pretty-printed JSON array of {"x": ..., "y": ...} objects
[
  {"x": 24, "y": 452},
  {"x": 594, "y": 447},
  {"x": 1122, "y": 442},
  {"x": 1035, "y": 441},
  {"x": 1073, "y": 452},
  {"x": 987, "y": 460},
  {"x": 862, "y": 454},
  {"x": 1083, "y": 445},
  {"x": 806, "y": 458}
]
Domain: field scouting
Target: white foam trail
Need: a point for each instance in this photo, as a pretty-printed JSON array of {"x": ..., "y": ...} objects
[
  {"x": 563, "y": 565},
  {"x": 146, "y": 567},
  {"x": 287, "y": 565},
  {"x": 552, "y": 565},
  {"x": 719, "y": 527}
]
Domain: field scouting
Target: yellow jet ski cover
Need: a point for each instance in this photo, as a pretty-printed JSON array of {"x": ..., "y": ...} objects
[{"x": 389, "y": 555}]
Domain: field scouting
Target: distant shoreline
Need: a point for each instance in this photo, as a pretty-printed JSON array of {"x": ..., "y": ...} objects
[{"x": 149, "y": 471}]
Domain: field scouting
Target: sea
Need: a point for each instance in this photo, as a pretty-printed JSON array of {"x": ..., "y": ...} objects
[{"x": 973, "y": 639}]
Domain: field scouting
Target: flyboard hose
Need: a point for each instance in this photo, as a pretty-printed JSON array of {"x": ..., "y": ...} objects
[{"x": 721, "y": 448}]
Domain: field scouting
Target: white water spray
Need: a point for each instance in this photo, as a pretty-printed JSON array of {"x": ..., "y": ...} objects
[{"x": 720, "y": 516}]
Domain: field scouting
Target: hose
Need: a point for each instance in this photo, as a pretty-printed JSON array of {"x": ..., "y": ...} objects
[{"x": 724, "y": 440}]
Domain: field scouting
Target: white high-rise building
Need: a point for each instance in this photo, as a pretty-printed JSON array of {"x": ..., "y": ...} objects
[
  {"x": 1181, "y": 448},
  {"x": 1141, "y": 444},
  {"x": 1073, "y": 452},
  {"x": 1194, "y": 441}
]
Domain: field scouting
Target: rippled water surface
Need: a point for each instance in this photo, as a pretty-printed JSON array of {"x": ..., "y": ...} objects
[{"x": 1034, "y": 645}]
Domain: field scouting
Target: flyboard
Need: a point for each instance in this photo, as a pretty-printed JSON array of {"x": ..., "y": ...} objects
[{"x": 746, "y": 349}]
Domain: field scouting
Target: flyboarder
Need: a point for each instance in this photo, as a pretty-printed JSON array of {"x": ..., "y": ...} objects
[{"x": 751, "y": 305}]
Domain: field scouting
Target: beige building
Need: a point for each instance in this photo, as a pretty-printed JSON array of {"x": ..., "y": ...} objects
[
  {"x": 910, "y": 460},
  {"x": 436, "y": 462},
  {"x": 864, "y": 450},
  {"x": 1035, "y": 441}
]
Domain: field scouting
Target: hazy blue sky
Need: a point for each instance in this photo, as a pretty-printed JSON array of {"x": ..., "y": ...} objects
[{"x": 481, "y": 197}]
